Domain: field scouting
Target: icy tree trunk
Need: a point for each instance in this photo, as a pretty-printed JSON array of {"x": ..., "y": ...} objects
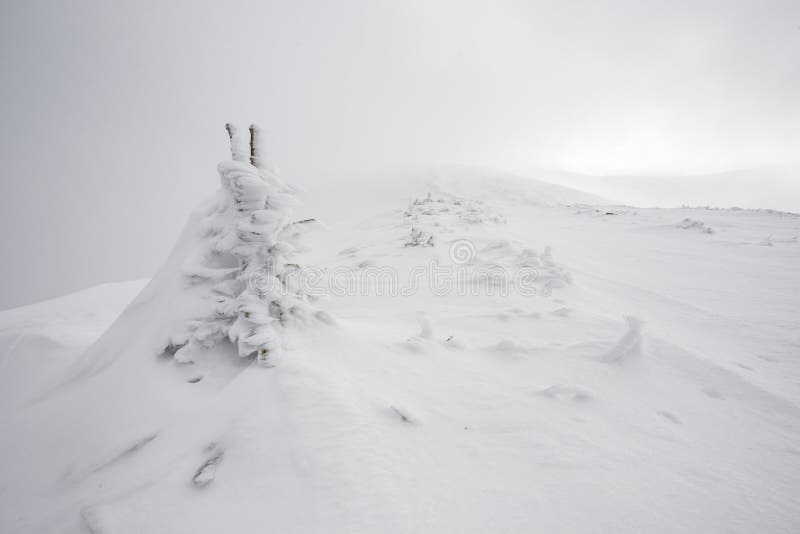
[
  {"x": 256, "y": 152},
  {"x": 236, "y": 146}
]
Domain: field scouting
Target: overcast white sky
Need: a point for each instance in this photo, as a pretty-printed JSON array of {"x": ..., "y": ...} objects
[{"x": 113, "y": 112}]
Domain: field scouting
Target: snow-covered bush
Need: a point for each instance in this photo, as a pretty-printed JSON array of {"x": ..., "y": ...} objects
[
  {"x": 692, "y": 224},
  {"x": 419, "y": 238},
  {"x": 244, "y": 264}
]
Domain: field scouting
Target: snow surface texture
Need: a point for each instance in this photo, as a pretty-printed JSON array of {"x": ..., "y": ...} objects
[{"x": 653, "y": 388}]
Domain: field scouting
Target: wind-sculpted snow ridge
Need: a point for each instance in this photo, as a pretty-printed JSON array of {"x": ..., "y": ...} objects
[{"x": 244, "y": 265}]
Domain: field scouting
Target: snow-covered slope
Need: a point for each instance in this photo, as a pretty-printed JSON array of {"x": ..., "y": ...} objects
[{"x": 507, "y": 356}]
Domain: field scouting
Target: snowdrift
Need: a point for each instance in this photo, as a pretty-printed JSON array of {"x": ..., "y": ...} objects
[{"x": 642, "y": 377}]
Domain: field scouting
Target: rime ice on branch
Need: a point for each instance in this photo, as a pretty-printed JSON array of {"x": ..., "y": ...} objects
[
  {"x": 256, "y": 156},
  {"x": 244, "y": 265},
  {"x": 237, "y": 152}
]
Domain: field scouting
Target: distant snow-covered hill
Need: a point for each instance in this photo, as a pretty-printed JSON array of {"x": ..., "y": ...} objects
[{"x": 769, "y": 187}]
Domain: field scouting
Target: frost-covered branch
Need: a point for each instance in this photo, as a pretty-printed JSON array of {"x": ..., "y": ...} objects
[
  {"x": 236, "y": 143},
  {"x": 256, "y": 156}
]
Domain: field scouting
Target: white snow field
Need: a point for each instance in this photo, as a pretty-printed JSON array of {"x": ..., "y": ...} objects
[{"x": 651, "y": 383}]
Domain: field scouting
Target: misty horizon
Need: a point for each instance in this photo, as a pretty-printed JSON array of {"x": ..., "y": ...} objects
[{"x": 114, "y": 113}]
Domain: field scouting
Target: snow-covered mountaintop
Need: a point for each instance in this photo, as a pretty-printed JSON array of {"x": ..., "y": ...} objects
[{"x": 506, "y": 356}]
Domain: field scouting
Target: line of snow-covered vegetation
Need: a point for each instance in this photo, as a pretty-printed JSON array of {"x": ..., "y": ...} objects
[{"x": 642, "y": 376}]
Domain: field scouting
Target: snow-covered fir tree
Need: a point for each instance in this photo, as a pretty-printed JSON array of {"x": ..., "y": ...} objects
[{"x": 245, "y": 262}]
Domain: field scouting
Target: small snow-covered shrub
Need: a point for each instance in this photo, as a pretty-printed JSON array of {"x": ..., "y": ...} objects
[
  {"x": 692, "y": 224},
  {"x": 419, "y": 238}
]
